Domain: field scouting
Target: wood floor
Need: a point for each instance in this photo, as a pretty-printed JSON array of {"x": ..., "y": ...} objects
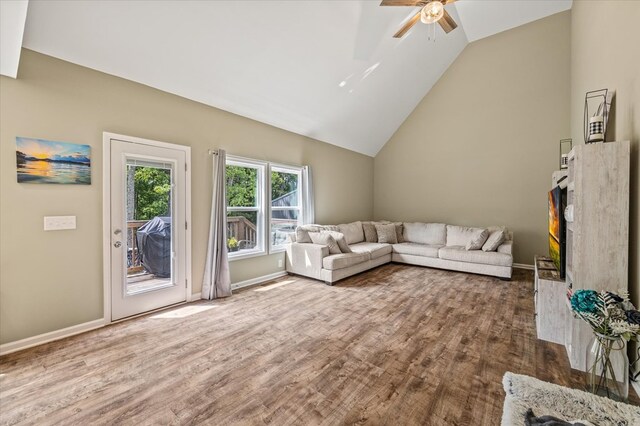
[{"x": 399, "y": 345}]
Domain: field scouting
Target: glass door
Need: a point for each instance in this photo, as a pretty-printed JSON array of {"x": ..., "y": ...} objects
[{"x": 147, "y": 228}]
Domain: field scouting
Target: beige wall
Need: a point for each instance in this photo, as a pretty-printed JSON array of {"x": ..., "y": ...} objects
[
  {"x": 480, "y": 148},
  {"x": 52, "y": 280},
  {"x": 604, "y": 54}
]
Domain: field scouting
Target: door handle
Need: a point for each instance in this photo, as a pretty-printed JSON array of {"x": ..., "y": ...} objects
[{"x": 117, "y": 244}]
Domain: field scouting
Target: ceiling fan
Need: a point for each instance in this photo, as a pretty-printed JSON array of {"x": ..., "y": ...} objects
[{"x": 431, "y": 11}]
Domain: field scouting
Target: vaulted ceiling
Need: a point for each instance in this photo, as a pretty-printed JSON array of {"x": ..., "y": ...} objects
[{"x": 329, "y": 70}]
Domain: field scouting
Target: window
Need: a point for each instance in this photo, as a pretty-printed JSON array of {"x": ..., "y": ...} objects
[
  {"x": 252, "y": 198},
  {"x": 286, "y": 203},
  {"x": 245, "y": 207}
]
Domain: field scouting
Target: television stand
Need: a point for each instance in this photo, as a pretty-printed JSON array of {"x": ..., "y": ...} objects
[{"x": 549, "y": 299}]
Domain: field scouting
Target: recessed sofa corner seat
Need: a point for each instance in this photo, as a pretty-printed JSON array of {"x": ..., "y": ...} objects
[{"x": 433, "y": 245}]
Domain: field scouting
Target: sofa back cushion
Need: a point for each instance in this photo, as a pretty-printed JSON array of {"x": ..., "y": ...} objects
[
  {"x": 461, "y": 235},
  {"x": 302, "y": 233},
  {"x": 353, "y": 232},
  {"x": 425, "y": 233}
]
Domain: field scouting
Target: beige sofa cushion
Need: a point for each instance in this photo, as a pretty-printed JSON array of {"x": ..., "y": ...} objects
[
  {"x": 370, "y": 234},
  {"x": 476, "y": 242},
  {"x": 494, "y": 240},
  {"x": 302, "y": 233},
  {"x": 353, "y": 232},
  {"x": 425, "y": 233},
  {"x": 460, "y": 254},
  {"x": 461, "y": 235},
  {"x": 416, "y": 249},
  {"x": 386, "y": 233},
  {"x": 345, "y": 260},
  {"x": 506, "y": 247},
  {"x": 325, "y": 239},
  {"x": 376, "y": 250},
  {"x": 339, "y": 237}
]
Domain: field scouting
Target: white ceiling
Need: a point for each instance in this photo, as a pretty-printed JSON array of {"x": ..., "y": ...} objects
[
  {"x": 482, "y": 18},
  {"x": 329, "y": 70}
]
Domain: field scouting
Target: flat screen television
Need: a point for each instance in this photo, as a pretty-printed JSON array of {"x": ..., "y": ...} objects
[{"x": 557, "y": 238}]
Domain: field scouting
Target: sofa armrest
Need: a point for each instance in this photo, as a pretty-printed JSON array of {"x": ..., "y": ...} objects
[
  {"x": 306, "y": 259},
  {"x": 506, "y": 248}
]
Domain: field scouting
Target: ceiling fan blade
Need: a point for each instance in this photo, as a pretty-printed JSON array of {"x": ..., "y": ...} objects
[
  {"x": 447, "y": 23},
  {"x": 406, "y": 27},
  {"x": 401, "y": 2}
]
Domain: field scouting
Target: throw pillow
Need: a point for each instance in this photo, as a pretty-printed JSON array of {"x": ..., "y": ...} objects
[
  {"x": 476, "y": 242},
  {"x": 302, "y": 233},
  {"x": 342, "y": 242},
  {"x": 387, "y": 233},
  {"x": 370, "y": 234},
  {"x": 400, "y": 232},
  {"x": 325, "y": 239},
  {"x": 493, "y": 242}
]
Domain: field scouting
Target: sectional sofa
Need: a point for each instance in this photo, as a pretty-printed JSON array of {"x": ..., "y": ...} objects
[{"x": 435, "y": 245}]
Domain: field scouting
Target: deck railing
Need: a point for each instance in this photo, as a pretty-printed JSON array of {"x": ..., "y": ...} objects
[
  {"x": 134, "y": 260},
  {"x": 242, "y": 229}
]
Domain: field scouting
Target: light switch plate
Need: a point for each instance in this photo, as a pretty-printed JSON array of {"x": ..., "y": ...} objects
[{"x": 59, "y": 223}]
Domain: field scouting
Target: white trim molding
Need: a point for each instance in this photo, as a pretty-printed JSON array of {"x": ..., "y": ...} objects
[
  {"x": 106, "y": 213},
  {"x": 51, "y": 336},
  {"x": 523, "y": 266},
  {"x": 258, "y": 280}
]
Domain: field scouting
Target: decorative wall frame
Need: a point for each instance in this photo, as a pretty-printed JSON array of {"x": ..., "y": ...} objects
[
  {"x": 565, "y": 147},
  {"x": 43, "y": 161},
  {"x": 597, "y": 107}
]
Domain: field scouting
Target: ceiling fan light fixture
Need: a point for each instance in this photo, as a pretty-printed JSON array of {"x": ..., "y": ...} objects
[{"x": 432, "y": 12}]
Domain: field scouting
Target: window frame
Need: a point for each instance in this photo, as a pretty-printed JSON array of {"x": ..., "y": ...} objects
[
  {"x": 283, "y": 168},
  {"x": 260, "y": 208},
  {"x": 263, "y": 204}
]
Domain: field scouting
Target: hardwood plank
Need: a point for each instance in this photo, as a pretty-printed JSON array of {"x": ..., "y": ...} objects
[{"x": 396, "y": 345}]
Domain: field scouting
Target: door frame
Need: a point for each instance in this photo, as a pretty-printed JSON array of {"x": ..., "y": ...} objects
[{"x": 106, "y": 213}]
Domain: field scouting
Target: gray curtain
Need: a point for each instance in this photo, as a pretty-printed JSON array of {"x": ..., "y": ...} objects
[
  {"x": 217, "y": 279},
  {"x": 308, "y": 208}
]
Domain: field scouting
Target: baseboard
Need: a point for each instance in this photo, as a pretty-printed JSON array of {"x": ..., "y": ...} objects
[
  {"x": 258, "y": 280},
  {"x": 523, "y": 266},
  {"x": 51, "y": 336}
]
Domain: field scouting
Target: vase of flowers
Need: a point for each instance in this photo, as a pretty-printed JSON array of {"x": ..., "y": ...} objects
[
  {"x": 614, "y": 322},
  {"x": 232, "y": 244}
]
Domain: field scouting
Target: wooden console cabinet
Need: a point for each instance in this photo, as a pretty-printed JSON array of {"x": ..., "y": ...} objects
[
  {"x": 550, "y": 306},
  {"x": 597, "y": 254}
]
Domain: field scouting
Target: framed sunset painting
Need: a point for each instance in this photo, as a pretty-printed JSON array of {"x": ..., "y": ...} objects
[{"x": 43, "y": 161}]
